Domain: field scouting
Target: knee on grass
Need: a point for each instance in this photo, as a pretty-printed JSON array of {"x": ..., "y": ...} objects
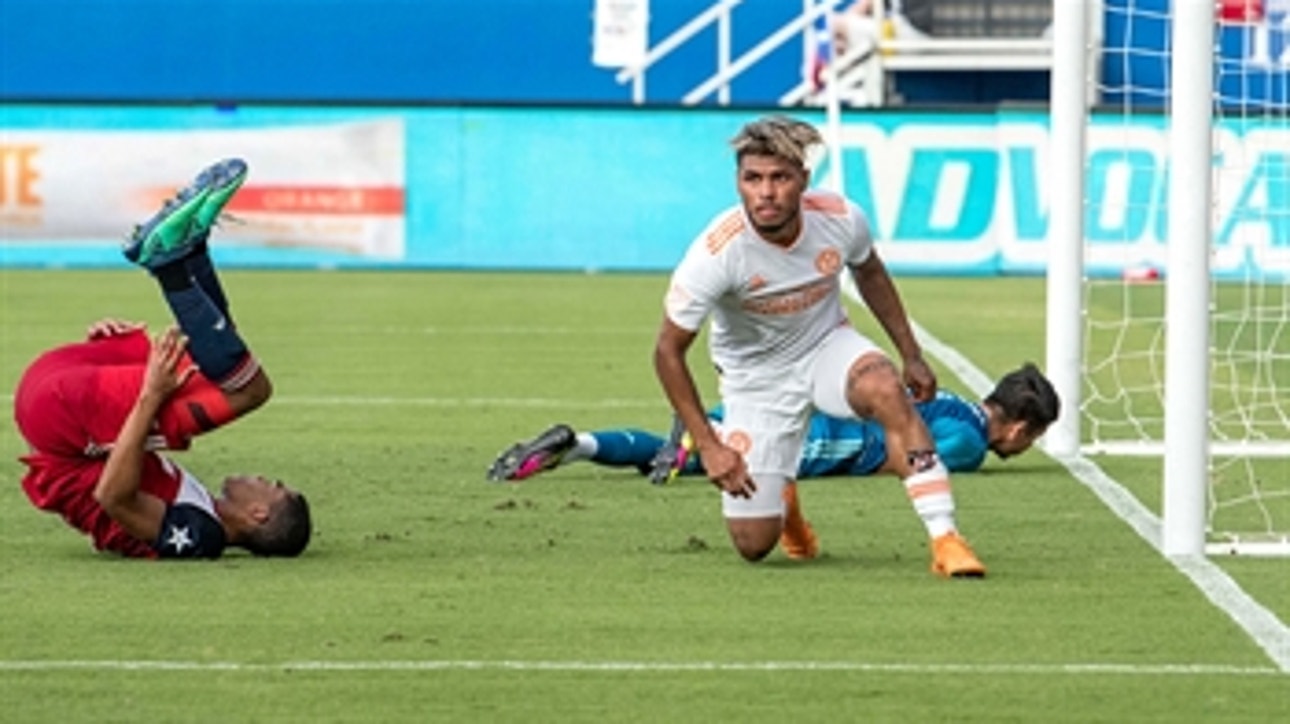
[{"x": 754, "y": 538}]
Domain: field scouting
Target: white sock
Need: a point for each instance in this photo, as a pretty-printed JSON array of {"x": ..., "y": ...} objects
[
  {"x": 583, "y": 450},
  {"x": 929, "y": 491}
]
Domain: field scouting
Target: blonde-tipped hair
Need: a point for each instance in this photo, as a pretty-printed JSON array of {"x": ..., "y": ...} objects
[{"x": 779, "y": 136}]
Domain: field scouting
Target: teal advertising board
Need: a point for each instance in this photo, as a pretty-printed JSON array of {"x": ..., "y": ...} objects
[{"x": 624, "y": 189}]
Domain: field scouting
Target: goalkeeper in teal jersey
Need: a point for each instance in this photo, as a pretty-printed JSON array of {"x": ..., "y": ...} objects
[{"x": 1015, "y": 414}]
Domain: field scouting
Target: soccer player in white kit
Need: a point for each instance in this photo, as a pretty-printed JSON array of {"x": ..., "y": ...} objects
[{"x": 766, "y": 273}]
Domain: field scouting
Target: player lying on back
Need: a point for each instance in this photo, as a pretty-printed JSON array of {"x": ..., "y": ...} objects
[
  {"x": 95, "y": 413},
  {"x": 1008, "y": 421}
]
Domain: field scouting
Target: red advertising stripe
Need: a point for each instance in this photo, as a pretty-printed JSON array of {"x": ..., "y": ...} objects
[{"x": 337, "y": 200}]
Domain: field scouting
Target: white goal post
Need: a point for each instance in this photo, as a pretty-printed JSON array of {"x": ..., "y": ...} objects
[
  {"x": 1186, "y": 291},
  {"x": 1174, "y": 341}
]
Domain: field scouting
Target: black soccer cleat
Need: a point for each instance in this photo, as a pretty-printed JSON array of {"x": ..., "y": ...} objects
[{"x": 526, "y": 459}]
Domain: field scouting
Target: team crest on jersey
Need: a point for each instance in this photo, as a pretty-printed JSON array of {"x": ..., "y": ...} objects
[
  {"x": 828, "y": 262},
  {"x": 756, "y": 282},
  {"x": 739, "y": 441}
]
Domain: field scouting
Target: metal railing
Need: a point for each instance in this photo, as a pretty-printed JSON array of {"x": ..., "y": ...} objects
[
  {"x": 727, "y": 68},
  {"x": 867, "y": 71}
]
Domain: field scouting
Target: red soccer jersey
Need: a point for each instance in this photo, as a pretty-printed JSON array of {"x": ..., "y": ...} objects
[
  {"x": 70, "y": 405},
  {"x": 65, "y": 486}
]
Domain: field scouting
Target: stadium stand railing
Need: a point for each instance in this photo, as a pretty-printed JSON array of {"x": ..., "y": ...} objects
[
  {"x": 939, "y": 35},
  {"x": 917, "y": 35}
]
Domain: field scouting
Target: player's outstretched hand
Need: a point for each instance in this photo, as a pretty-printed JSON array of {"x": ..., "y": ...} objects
[
  {"x": 111, "y": 327},
  {"x": 163, "y": 375}
]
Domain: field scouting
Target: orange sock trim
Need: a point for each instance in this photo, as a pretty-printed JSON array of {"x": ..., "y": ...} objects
[{"x": 935, "y": 487}]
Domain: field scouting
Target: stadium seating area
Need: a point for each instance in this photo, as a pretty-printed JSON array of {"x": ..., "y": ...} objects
[
  {"x": 965, "y": 51},
  {"x": 980, "y": 18}
]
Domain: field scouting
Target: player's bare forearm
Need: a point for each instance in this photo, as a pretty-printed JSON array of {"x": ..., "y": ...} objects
[
  {"x": 117, "y": 489},
  {"x": 684, "y": 398},
  {"x": 678, "y": 383},
  {"x": 880, "y": 295},
  {"x": 725, "y": 467}
]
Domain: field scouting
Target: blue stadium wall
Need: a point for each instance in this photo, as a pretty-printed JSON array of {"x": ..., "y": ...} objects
[
  {"x": 440, "y": 51},
  {"x": 496, "y": 51},
  {"x": 446, "y": 51}
]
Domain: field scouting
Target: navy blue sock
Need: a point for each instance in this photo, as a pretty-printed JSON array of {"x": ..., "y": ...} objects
[
  {"x": 173, "y": 277},
  {"x": 213, "y": 342},
  {"x": 626, "y": 448},
  {"x": 203, "y": 274}
]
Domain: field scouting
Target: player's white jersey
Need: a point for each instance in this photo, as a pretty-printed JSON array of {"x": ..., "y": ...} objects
[
  {"x": 770, "y": 305},
  {"x": 191, "y": 491}
]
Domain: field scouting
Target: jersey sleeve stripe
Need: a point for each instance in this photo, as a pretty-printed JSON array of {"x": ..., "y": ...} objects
[
  {"x": 825, "y": 203},
  {"x": 721, "y": 234}
]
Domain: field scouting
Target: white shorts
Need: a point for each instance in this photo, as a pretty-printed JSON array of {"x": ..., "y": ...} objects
[{"x": 766, "y": 417}]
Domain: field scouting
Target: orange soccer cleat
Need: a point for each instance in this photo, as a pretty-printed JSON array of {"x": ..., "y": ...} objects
[
  {"x": 952, "y": 557},
  {"x": 797, "y": 538}
]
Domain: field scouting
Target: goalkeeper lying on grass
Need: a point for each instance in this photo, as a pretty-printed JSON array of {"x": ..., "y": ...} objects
[{"x": 1015, "y": 414}]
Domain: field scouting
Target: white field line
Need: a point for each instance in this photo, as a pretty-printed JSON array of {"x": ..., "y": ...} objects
[
  {"x": 499, "y": 330},
  {"x": 609, "y": 403},
  {"x": 510, "y": 402},
  {"x": 647, "y": 666},
  {"x": 1269, "y": 632}
]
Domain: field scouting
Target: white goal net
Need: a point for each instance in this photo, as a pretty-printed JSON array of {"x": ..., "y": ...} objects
[{"x": 1125, "y": 329}]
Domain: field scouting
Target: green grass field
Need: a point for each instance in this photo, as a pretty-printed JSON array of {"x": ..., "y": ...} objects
[{"x": 587, "y": 594}]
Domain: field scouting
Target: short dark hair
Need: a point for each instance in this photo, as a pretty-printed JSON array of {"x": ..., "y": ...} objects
[
  {"x": 1026, "y": 394},
  {"x": 286, "y": 532}
]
